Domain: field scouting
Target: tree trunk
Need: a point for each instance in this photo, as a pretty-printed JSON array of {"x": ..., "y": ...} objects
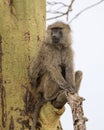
[{"x": 22, "y": 25}]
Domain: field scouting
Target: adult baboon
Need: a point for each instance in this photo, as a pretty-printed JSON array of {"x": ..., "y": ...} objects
[{"x": 52, "y": 71}]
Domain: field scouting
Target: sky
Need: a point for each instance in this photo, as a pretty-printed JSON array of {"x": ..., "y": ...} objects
[{"x": 88, "y": 46}]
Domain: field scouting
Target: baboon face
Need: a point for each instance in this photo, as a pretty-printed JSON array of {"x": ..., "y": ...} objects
[{"x": 56, "y": 35}]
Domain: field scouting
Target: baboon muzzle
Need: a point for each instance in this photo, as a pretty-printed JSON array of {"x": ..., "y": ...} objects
[{"x": 55, "y": 39}]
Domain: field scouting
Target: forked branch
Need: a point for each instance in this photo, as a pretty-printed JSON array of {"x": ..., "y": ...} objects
[
  {"x": 60, "y": 14},
  {"x": 68, "y": 8}
]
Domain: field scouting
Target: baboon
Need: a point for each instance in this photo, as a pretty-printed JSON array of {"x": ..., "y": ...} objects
[{"x": 52, "y": 71}]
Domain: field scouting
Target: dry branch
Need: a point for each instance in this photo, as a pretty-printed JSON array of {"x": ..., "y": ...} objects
[
  {"x": 69, "y": 9},
  {"x": 75, "y": 102},
  {"x": 60, "y": 13},
  {"x": 56, "y": 3},
  {"x": 87, "y": 8}
]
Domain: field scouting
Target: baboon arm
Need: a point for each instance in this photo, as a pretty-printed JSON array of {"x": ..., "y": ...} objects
[
  {"x": 57, "y": 76},
  {"x": 78, "y": 78},
  {"x": 34, "y": 70},
  {"x": 70, "y": 78}
]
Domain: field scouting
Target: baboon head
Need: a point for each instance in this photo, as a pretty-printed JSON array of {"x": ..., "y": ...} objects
[{"x": 58, "y": 34}]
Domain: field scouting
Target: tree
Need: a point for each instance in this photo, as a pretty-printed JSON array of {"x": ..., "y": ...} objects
[{"x": 22, "y": 25}]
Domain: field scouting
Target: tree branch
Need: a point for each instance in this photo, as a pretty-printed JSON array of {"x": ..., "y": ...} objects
[
  {"x": 87, "y": 8},
  {"x": 61, "y": 14},
  {"x": 69, "y": 9},
  {"x": 56, "y": 3},
  {"x": 75, "y": 102},
  {"x": 56, "y": 16}
]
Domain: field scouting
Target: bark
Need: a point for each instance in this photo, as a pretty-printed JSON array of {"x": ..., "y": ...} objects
[
  {"x": 22, "y": 25},
  {"x": 50, "y": 117}
]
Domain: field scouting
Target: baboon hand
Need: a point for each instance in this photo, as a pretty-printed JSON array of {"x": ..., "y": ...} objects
[{"x": 71, "y": 89}]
